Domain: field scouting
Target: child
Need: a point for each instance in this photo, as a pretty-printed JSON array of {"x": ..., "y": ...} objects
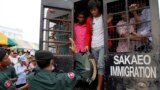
[
  {"x": 95, "y": 38},
  {"x": 79, "y": 32}
]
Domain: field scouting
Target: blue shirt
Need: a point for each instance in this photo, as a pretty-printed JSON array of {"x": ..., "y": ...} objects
[
  {"x": 145, "y": 27},
  {"x": 20, "y": 71}
]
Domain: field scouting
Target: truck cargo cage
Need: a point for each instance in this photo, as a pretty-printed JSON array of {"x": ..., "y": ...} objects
[{"x": 55, "y": 30}]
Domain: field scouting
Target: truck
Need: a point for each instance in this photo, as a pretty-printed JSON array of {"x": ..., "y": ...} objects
[{"x": 134, "y": 69}]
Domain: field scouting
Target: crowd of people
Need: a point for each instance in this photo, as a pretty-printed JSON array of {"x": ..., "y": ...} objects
[
  {"x": 18, "y": 64},
  {"x": 21, "y": 76}
]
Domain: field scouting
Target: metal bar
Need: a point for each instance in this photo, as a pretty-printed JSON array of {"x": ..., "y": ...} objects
[
  {"x": 57, "y": 45},
  {"x": 129, "y": 24},
  {"x": 47, "y": 32},
  {"x": 128, "y": 21},
  {"x": 155, "y": 23},
  {"x": 57, "y": 31},
  {"x": 56, "y": 42},
  {"x": 105, "y": 26},
  {"x": 69, "y": 55},
  {"x": 41, "y": 27},
  {"x": 128, "y": 11},
  {"x": 62, "y": 20}
]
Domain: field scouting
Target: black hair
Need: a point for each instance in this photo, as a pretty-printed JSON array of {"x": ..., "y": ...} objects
[
  {"x": 80, "y": 13},
  {"x": 145, "y": 2},
  {"x": 3, "y": 53},
  {"x": 43, "y": 58},
  {"x": 94, "y": 3},
  {"x": 43, "y": 64}
]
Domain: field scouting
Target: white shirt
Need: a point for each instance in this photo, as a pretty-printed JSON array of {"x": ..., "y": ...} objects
[
  {"x": 20, "y": 71},
  {"x": 13, "y": 60},
  {"x": 97, "y": 32}
]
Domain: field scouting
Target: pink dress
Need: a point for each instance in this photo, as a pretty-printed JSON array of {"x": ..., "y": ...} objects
[
  {"x": 123, "y": 44},
  {"x": 79, "y": 36}
]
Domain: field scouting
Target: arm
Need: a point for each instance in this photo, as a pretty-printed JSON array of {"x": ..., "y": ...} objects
[
  {"x": 88, "y": 31},
  {"x": 134, "y": 7},
  {"x": 121, "y": 29},
  {"x": 13, "y": 75},
  {"x": 71, "y": 78}
]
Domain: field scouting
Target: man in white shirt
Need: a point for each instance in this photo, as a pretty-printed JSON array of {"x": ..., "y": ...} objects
[
  {"x": 21, "y": 71},
  {"x": 95, "y": 33},
  {"x": 13, "y": 57}
]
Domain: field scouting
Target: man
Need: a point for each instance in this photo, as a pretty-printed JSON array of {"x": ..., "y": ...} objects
[
  {"x": 46, "y": 79},
  {"x": 14, "y": 57},
  {"x": 95, "y": 38},
  {"x": 21, "y": 71},
  {"x": 7, "y": 73},
  {"x": 143, "y": 21}
]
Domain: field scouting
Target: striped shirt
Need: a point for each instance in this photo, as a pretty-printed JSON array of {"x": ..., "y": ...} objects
[{"x": 97, "y": 32}]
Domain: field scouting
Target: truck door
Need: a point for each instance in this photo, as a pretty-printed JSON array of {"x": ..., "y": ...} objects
[{"x": 132, "y": 61}]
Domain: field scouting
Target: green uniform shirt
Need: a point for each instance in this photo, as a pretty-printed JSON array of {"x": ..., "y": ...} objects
[
  {"x": 5, "y": 75},
  {"x": 46, "y": 80}
]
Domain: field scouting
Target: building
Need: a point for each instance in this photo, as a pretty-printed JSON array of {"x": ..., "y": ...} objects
[{"x": 11, "y": 32}]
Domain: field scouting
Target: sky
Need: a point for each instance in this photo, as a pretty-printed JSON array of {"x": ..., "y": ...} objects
[{"x": 23, "y": 15}]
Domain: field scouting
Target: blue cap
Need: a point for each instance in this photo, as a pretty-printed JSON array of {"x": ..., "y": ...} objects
[{"x": 21, "y": 58}]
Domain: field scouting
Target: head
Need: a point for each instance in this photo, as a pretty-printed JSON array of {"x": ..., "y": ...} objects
[
  {"x": 28, "y": 52},
  {"x": 141, "y": 3},
  {"x": 29, "y": 58},
  {"x": 14, "y": 53},
  {"x": 34, "y": 62},
  {"x": 21, "y": 60},
  {"x": 124, "y": 16},
  {"x": 4, "y": 59},
  {"x": 45, "y": 59},
  {"x": 81, "y": 17},
  {"x": 20, "y": 53},
  {"x": 94, "y": 7}
]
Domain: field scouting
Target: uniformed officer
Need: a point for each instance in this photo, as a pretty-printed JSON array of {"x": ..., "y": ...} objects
[
  {"x": 7, "y": 73},
  {"x": 46, "y": 79}
]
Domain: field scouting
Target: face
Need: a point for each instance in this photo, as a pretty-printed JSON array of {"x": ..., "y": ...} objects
[
  {"x": 94, "y": 11},
  {"x": 20, "y": 53},
  {"x": 124, "y": 16},
  {"x": 81, "y": 18},
  {"x": 5, "y": 61},
  {"x": 14, "y": 54}
]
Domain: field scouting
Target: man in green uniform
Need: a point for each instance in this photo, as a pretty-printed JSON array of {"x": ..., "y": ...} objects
[
  {"x": 7, "y": 73},
  {"x": 46, "y": 79}
]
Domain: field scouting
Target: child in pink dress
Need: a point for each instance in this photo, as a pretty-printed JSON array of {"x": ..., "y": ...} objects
[{"x": 79, "y": 32}]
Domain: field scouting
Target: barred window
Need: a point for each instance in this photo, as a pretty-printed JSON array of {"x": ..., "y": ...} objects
[
  {"x": 129, "y": 26},
  {"x": 57, "y": 30}
]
